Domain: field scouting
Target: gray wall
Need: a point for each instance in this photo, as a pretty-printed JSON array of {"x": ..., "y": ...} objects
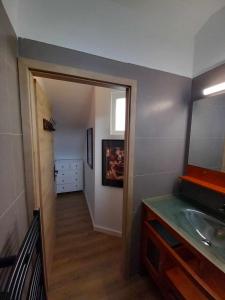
[
  {"x": 161, "y": 121},
  {"x": 13, "y": 219}
]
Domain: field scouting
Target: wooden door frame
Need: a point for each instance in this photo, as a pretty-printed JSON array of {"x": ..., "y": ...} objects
[{"x": 29, "y": 68}]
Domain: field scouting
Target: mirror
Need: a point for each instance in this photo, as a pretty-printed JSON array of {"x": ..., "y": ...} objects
[{"x": 207, "y": 140}]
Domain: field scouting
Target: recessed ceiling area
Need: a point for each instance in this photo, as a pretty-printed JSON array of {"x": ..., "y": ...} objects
[
  {"x": 70, "y": 101},
  {"x": 154, "y": 33}
]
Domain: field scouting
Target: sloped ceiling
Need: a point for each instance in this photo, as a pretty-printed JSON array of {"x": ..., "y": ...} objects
[
  {"x": 210, "y": 44},
  {"x": 69, "y": 101},
  {"x": 153, "y": 33}
]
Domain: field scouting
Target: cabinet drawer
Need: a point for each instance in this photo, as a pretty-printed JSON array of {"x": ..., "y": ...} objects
[
  {"x": 69, "y": 164},
  {"x": 64, "y": 179},
  {"x": 76, "y": 165},
  {"x": 70, "y": 173},
  {"x": 68, "y": 187},
  {"x": 62, "y": 165},
  {"x": 69, "y": 179}
]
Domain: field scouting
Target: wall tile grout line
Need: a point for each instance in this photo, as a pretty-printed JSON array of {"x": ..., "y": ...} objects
[
  {"x": 159, "y": 138},
  {"x": 157, "y": 173},
  {"x": 10, "y": 133},
  {"x": 13, "y": 202}
]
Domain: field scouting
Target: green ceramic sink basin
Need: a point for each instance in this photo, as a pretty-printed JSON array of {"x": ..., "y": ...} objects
[{"x": 209, "y": 230}]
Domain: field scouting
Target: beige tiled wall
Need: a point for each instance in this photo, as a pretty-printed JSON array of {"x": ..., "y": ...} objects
[{"x": 13, "y": 217}]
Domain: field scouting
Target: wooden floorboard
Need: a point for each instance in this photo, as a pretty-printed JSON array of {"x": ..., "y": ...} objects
[{"x": 87, "y": 264}]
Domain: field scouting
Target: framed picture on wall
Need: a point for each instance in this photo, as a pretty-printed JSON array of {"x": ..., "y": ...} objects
[
  {"x": 90, "y": 147},
  {"x": 113, "y": 163}
]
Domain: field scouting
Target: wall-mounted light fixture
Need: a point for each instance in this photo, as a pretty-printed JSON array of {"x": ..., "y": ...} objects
[{"x": 214, "y": 89}]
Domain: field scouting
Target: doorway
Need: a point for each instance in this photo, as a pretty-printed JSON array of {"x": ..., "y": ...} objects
[{"x": 29, "y": 69}]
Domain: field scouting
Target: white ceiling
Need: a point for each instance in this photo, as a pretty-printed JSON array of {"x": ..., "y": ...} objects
[
  {"x": 70, "y": 102},
  {"x": 153, "y": 33},
  {"x": 210, "y": 44}
]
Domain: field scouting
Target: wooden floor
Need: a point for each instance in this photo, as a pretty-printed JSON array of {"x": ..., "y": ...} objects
[{"x": 86, "y": 263}]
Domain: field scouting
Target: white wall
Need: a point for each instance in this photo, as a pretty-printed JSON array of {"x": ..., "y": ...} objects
[
  {"x": 108, "y": 200},
  {"x": 105, "y": 203},
  {"x": 209, "y": 50},
  {"x": 69, "y": 143},
  {"x": 89, "y": 179}
]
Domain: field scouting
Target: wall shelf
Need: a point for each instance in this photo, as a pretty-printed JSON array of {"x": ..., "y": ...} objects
[
  {"x": 209, "y": 179},
  {"x": 204, "y": 184}
]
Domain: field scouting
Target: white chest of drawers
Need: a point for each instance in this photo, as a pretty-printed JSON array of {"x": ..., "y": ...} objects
[{"x": 69, "y": 175}]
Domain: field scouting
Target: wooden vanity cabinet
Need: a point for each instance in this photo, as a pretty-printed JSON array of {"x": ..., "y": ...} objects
[
  {"x": 178, "y": 269},
  {"x": 154, "y": 256}
]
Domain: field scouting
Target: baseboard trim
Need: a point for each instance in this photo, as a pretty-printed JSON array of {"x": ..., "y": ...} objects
[
  {"x": 107, "y": 230},
  {"x": 99, "y": 228},
  {"x": 89, "y": 209}
]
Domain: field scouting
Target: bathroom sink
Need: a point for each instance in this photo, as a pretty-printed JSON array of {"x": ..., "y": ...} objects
[{"x": 209, "y": 230}]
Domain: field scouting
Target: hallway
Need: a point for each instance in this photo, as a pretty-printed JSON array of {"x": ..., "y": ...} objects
[{"x": 86, "y": 263}]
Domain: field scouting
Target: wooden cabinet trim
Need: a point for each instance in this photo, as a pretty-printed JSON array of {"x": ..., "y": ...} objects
[
  {"x": 148, "y": 215},
  {"x": 209, "y": 179}
]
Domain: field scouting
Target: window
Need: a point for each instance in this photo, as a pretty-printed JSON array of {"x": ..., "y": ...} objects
[{"x": 118, "y": 113}]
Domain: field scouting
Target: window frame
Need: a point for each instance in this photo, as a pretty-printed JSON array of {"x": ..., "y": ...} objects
[{"x": 114, "y": 96}]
